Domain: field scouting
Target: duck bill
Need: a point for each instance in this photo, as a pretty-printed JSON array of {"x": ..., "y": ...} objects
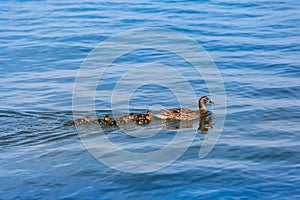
[{"x": 210, "y": 102}]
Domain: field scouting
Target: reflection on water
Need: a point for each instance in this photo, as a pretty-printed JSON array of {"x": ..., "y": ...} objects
[
  {"x": 205, "y": 123},
  {"x": 174, "y": 124}
]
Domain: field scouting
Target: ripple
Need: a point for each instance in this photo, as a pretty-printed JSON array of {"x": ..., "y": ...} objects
[{"x": 255, "y": 46}]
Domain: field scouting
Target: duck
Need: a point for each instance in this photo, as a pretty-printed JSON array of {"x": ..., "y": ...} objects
[
  {"x": 122, "y": 120},
  {"x": 119, "y": 121},
  {"x": 146, "y": 119},
  {"x": 85, "y": 120},
  {"x": 105, "y": 120},
  {"x": 143, "y": 116},
  {"x": 185, "y": 113},
  {"x": 125, "y": 119},
  {"x": 131, "y": 116}
]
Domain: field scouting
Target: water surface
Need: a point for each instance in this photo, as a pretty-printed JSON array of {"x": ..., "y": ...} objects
[{"x": 255, "y": 45}]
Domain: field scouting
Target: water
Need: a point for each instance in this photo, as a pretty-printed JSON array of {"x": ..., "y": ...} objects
[{"x": 255, "y": 45}]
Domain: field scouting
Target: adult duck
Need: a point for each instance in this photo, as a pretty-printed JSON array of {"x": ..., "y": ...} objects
[{"x": 184, "y": 113}]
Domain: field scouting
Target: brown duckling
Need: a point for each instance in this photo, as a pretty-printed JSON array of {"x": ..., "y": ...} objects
[
  {"x": 85, "y": 120},
  {"x": 143, "y": 116},
  {"x": 122, "y": 120},
  {"x": 105, "y": 120},
  {"x": 125, "y": 119},
  {"x": 131, "y": 116},
  {"x": 144, "y": 120}
]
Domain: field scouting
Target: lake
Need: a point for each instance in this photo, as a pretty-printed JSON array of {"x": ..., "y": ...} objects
[{"x": 255, "y": 47}]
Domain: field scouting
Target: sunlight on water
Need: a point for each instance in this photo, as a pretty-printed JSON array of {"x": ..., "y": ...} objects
[{"x": 255, "y": 45}]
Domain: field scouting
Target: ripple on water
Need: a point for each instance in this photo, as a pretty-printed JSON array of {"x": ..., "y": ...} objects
[{"x": 255, "y": 46}]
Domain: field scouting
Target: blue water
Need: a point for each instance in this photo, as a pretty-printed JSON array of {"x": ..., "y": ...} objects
[{"x": 255, "y": 45}]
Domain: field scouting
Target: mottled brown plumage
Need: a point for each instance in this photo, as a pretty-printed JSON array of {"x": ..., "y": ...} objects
[
  {"x": 85, "y": 120},
  {"x": 185, "y": 113}
]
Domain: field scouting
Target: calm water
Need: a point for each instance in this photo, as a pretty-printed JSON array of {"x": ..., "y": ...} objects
[{"x": 255, "y": 45}]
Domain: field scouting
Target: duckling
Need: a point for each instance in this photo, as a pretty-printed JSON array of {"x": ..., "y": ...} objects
[
  {"x": 143, "y": 116},
  {"x": 125, "y": 119},
  {"x": 148, "y": 117},
  {"x": 184, "y": 113},
  {"x": 149, "y": 112},
  {"x": 145, "y": 120},
  {"x": 131, "y": 116},
  {"x": 105, "y": 120},
  {"x": 122, "y": 120},
  {"x": 85, "y": 120}
]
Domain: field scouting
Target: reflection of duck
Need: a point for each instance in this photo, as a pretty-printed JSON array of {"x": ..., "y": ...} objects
[
  {"x": 184, "y": 113},
  {"x": 113, "y": 123},
  {"x": 205, "y": 122},
  {"x": 180, "y": 126},
  {"x": 85, "y": 120}
]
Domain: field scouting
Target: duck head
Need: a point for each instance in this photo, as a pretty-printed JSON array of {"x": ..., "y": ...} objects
[
  {"x": 204, "y": 100},
  {"x": 149, "y": 113},
  {"x": 131, "y": 116},
  {"x": 106, "y": 118},
  {"x": 148, "y": 117}
]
